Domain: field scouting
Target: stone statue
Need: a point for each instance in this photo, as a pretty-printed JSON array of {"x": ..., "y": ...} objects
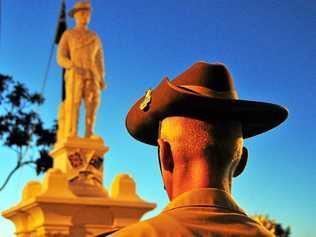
[{"x": 80, "y": 53}]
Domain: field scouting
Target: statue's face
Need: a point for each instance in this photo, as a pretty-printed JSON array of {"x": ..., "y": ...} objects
[{"x": 82, "y": 17}]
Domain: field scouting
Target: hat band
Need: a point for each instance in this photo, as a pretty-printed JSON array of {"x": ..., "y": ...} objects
[
  {"x": 82, "y": 9},
  {"x": 232, "y": 95}
]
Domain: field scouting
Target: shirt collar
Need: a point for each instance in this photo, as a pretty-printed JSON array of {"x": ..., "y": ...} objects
[{"x": 211, "y": 197}]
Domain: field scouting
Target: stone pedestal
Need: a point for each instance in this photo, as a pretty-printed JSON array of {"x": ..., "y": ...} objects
[
  {"x": 72, "y": 200},
  {"x": 52, "y": 209},
  {"x": 81, "y": 160}
]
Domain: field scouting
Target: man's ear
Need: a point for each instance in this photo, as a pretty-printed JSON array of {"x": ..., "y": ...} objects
[
  {"x": 242, "y": 163},
  {"x": 165, "y": 155}
]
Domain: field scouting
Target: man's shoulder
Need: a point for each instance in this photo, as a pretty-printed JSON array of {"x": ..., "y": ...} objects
[
  {"x": 154, "y": 227},
  {"x": 258, "y": 229},
  {"x": 142, "y": 228},
  {"x": 164, "y": 226}
]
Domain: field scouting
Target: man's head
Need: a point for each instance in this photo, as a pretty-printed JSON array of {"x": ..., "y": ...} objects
[
  {"x": 81, "y": 13},
  {"x": 202, "y": 124},
  {"x": 195, "y": 153}
]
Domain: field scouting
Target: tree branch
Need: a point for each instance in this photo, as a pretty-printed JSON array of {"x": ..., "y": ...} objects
[{"x": 13, "y": 171}]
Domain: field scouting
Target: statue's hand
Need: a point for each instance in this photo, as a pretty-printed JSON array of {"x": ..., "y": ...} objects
[
  {"x": 79, "y": 70},
  {"x": 102, "y": 85}
]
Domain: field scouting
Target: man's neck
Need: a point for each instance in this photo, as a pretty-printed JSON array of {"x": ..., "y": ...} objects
[{"x": 198, "y": 176}]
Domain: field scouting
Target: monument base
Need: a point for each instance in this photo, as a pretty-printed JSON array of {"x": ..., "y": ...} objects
[{"x": 52, "y": 209}]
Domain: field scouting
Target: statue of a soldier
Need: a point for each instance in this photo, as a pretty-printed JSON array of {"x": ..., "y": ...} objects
[{"x": 80, "y": 53}]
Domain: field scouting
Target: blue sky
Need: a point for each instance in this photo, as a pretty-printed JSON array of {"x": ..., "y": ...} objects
[{"x": 269, "y": 46}]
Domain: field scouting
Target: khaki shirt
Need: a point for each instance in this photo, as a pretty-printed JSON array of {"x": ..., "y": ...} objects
[
  {"x": 200, "y": 212},
  {"x": 83, "y": 49}
]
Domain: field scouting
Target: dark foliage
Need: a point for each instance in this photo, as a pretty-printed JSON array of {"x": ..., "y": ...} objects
[
  {"x": 282, "y": 232},
  {"x": 44, "y": 162},
  {"x": 21, "y": 127}
]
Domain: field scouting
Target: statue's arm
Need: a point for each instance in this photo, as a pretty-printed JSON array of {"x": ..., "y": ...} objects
[{"x": 63, "y": 52}]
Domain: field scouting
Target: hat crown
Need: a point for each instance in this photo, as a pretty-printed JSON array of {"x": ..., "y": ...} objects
[
  {"x": 212, "y": 76},
  {"x": 82, "y": 5},
  {"x": 204, "y": 91}
]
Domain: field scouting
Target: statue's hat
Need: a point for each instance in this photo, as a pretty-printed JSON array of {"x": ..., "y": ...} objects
[
  {"x": 204, "y": 91},
  {"x": 80, "y": 6}
]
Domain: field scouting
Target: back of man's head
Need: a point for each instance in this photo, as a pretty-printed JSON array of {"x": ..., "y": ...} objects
[{"x": 203, "y": 153}]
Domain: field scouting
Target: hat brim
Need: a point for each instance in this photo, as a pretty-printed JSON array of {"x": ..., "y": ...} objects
[{"x": 171, "y": 100}]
